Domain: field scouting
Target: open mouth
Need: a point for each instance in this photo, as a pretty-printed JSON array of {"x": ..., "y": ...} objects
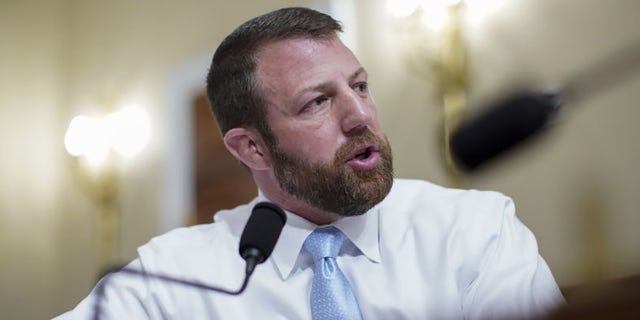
[
  {"x": 364, "y": 153},
  {"x": 365, "y": 158}
]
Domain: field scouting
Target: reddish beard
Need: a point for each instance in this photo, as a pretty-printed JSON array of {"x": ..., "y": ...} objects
[{"x": 337, "y": 187}]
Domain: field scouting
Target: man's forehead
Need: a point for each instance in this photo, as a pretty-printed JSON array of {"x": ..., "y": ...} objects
[
  {"x": 295, "y": 47},
  {"x": 292, "y": 59}
]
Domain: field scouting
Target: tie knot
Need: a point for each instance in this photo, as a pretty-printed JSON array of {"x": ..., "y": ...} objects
[{"x": 324, "y": 242}]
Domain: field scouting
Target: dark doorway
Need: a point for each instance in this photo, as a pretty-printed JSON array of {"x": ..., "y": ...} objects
[{"x": 221, "y": 180}]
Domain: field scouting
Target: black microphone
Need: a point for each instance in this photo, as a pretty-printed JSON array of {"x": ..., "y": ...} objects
[
  {"x": 261, "y": 234},
  {"x": 510, "y": 121},
  {"x": 259, "y": 237},
  {"x": 524, "y": 114}
]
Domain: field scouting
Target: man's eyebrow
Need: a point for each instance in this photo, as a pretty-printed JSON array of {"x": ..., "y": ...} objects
[
  {"x": 357, "y": 73},
  {"x": 322, "y": 86}
]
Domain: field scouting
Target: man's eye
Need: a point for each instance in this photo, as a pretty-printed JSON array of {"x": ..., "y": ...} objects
[
  {"x": 314, "y": 104},
  {"x": 318, "y": 101},
  {"x": 362, "y": 87}
]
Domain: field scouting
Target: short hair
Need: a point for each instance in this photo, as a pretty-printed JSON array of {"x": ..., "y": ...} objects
[{"x": 232, "y": 90}]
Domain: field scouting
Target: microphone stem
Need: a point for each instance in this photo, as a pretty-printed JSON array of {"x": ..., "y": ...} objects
[
  {"x": 610, "y": 70},
  {"x": 100, "y": 288}
]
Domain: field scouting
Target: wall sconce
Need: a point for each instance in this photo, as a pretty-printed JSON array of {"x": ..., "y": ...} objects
[
  {"x": 96, "y": 144},
  {"x": 436, "y": 44}
]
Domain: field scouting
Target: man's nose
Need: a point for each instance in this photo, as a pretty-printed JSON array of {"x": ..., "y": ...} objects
[{"x": 357, "y": 113}]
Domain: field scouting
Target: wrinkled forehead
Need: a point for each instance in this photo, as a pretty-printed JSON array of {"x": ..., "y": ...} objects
[
  {"x": 285, "y": 53},
  {"x": 286, "y": 65}
]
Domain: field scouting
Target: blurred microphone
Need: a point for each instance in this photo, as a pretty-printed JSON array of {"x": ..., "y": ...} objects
[
  {"x": 522, "y": 115},
  {"x": 510, "y": 121},
  {"x": 259, "y": 237}
]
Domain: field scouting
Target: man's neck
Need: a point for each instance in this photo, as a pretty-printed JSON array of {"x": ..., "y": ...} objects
[{"x": 270, "y": 188}]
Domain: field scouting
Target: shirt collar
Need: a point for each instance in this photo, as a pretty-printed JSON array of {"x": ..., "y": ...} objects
[{"x": 363, "y": 231}]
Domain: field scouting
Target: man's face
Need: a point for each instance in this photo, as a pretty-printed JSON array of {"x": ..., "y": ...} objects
[{"x": 331, "y": 152}]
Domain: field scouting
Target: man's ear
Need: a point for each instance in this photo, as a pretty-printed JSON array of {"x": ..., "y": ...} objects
[{"x": 247, "y": 145}]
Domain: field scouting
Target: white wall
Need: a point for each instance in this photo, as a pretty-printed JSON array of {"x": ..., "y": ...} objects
[
  {"x": 62, "y": 57},
  {"x": 576, "y": 187},
  {"x": 31, "y": 88}
]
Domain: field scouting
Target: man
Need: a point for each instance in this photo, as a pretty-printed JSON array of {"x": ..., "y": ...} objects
[{"x": 294, "y": 107}]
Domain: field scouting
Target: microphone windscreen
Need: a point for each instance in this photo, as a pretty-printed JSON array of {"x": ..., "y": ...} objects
[
  {"x": 501, "y": 127},
  {"x": 262, "y": 229}
]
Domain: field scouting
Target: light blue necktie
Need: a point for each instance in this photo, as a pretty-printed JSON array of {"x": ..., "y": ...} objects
[{"x": 331, "y": 294}]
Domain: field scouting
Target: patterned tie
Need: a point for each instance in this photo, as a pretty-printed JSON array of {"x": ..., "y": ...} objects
[{"x": 331, "y": 294}]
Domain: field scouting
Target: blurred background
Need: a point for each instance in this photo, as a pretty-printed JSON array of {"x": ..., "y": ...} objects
[{"x": 106, "y": 139}]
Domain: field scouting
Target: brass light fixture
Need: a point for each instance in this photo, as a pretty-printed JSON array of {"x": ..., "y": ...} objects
[
  {"x": 437, "y": 42},
  {"x": 97, "y": 145}
]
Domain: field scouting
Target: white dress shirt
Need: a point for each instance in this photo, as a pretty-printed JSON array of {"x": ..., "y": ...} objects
[{"x": 424, "y": 252}]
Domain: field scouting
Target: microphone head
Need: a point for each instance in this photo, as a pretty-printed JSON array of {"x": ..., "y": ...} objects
[
  {"x": 262, "y": 231},
  {"x": 509, "y": 122}
]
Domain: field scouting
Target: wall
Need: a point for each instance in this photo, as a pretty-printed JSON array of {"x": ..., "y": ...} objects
[
  {"x": 31, "y": 89},
  {"x": 576, "y": 185},
  {"x": 65, "y": 57}
]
